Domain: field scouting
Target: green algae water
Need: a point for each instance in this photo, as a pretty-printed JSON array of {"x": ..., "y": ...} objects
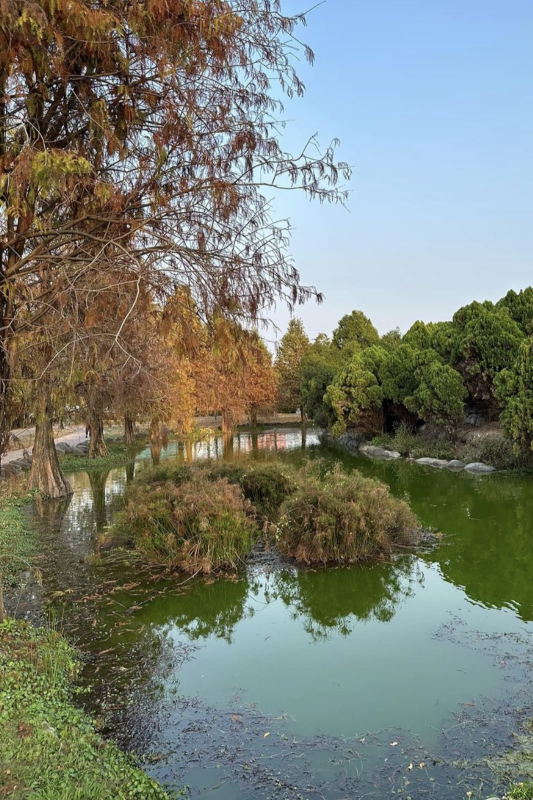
[{"x": 400, "y": 679}]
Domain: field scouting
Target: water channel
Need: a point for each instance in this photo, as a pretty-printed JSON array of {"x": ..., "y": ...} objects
[{"x": 401, "y": 679}]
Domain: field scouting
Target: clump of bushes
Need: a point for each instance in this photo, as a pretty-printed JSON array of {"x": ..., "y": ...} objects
[
  {"x": 342, "y": 519},
  {"x": 495, "y": 450},
  {"x": 265, "y": 485},
  {"x": 410, "y": 444},
  {"x": 196, "y": 526}
]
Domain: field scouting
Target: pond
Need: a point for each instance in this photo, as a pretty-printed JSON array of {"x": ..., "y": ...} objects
[{"x": 398, "y": 678}]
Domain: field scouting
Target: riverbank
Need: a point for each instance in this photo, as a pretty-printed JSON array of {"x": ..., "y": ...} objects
[{"x": 50, "y": 748}]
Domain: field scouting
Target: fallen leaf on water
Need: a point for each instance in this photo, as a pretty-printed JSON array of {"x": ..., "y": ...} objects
[
  {"x": 410, "y": 766},
  {"x": 235, "y": 718},
  {"x": 422, "y": 764},
  {"x": 393, "y": 744},
  {"x": 363, "y": 740},
  {"x": 265, "y": 736}
]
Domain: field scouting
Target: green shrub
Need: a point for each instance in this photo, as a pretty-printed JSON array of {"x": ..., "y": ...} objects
[
  {"x": 494, "y": 450},
  {"x": 265, "y": 485},
  {"x": 343, "y": 519},
  {"x": 408, "y": 443},
  {"x": 197, "y": 526}
]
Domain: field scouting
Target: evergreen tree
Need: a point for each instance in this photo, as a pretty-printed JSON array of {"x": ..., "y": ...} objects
[
  {"x": 291, "y": 351},
  {"x": 514, "y": 389}
]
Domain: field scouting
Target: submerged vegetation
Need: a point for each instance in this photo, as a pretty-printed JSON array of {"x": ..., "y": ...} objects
[{"x": 50, "y": 749}]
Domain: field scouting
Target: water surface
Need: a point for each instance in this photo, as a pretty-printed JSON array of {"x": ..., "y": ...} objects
[{"x": 288, "y": 683}]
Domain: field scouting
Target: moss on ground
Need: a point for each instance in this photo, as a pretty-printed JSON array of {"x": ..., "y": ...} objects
[{"x": 51, "y": 750}]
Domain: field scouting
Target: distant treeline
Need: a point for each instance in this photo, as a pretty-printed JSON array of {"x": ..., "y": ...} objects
[{"x": 480, "y": 363}]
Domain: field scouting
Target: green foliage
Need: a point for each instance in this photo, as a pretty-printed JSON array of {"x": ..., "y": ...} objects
[
  {"x": 355, "y": 397},
  {"x": 398, "y": 374},
  {"x": 342, "y": 519},
  {"x": 520, "y": 791},
  {"x": 439, "y": 396},
  {"x": 288, "y": 364},
  {"x": 514, "y": 389},
  {"x": 391, "y": 340},
  {"x": 437, "y": 336},
  {"x": 320, "y": 364},
  {"x": 355, "y": 330},
  {"x": 196, "y": 526},
  {"x": 51, "y": 750},
  {"x": 520, "y": 308},
  {"x": 488, "y": 343}
]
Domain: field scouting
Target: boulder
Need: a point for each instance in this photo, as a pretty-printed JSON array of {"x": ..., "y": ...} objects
[
  {"x": 64, "y": 447},
  {"x": 379, "y": 452},
  {"x": 11, "y": 470},
  {"x": 81, "y": 448},
  {"x": 479, "y": 468},
  {"x": 21, "y": 463},
  {"x": 351, "y": 441},
  {"x": 439, "y": 463},
  {"x": 456, "y": 464}
]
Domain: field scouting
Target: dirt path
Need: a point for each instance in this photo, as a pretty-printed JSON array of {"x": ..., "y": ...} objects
[{"x": 74, "y": 437}]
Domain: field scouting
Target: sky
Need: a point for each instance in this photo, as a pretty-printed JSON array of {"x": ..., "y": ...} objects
[{"x": 432, "y": 101}]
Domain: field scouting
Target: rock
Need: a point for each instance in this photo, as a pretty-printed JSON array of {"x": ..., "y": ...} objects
[
  {"x": 81, "y": 448},
  {"x": 21, "y": 463},
  {"x": 11, "y": 470},
  {"x": 64, "y": 447},
  {"x": 474, "y": 419},
  {"x": 478, "y": 468},
  {"x": 456, "y": 464},
  {"x": 439, "y": 463},
  {"x": 352, "y": 441},
  {"x": 379, "y": 452}
]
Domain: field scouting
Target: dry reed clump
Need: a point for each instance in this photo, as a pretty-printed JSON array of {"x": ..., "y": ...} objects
[
  {"x": 197, "y": 526},
  {"x": 342, "y": 519},
  {"x": 265, "y": 485}
]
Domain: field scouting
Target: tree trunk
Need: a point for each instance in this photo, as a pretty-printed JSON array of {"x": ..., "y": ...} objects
[
  {"x": 129, "y": 430},
  {"x": 227, "y": 422},
  {"x": 253, "y": 417},
  {"x": 302, "y": 415},
  {"x": 97, "y": 445},
  {"x": 45, "y": 473}
]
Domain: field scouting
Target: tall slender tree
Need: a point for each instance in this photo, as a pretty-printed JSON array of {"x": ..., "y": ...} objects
[{"x": 292, "y": 348}]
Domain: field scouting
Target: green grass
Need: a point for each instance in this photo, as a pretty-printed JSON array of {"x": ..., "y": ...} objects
[
  {"x": 119, "y": 454},
  {"x": 51, "y": 750},
  {"x": 17, "y": 538},
  {"x": 520, "y": 791}
]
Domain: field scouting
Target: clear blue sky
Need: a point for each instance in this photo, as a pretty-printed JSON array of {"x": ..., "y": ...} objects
[{"x": 433, "y": 103}]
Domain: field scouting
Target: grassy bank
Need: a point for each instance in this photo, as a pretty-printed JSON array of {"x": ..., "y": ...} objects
[
  {"x": 119, "y": 454},
  {"x": 16, "y": 535},
  {"x": 51, "y": 750}
]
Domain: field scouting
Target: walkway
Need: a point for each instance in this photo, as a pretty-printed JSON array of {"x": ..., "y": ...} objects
[{"x": 74, "y": 437}]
